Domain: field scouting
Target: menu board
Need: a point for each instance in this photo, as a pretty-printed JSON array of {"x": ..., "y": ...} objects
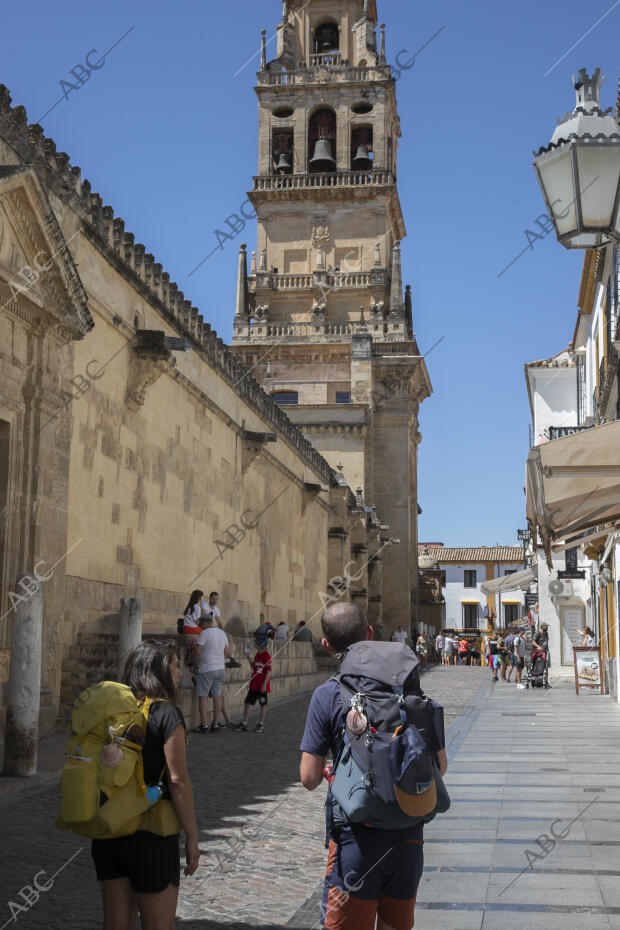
[{"x": 588, "y": 670}]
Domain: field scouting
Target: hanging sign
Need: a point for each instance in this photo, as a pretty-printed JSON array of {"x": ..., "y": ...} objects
[{"x": 588, "y": 668}]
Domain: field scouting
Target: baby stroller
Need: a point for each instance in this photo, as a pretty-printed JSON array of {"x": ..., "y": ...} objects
[{"x": 538, "y": 672}]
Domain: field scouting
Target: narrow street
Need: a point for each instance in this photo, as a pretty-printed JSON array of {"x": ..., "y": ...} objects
[{"x": 525, "y": 769}]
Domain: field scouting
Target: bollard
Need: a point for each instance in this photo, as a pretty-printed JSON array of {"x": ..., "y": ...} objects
[
  {"x": 24, "y": 689},
  {"x": 130, "y": 629}
]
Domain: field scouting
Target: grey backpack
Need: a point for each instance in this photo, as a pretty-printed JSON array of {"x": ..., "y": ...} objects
[{"x": 386, "y": 774}]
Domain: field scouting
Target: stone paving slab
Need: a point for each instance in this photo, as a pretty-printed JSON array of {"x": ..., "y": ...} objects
[
  {"x": 539, "y": 768},
  {"x": 261, "y": 832}
]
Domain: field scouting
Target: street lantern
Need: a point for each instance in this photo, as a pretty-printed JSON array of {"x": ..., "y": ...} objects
[{"x": 579, "y": 171}]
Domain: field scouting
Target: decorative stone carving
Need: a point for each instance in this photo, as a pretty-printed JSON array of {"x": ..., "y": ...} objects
[
  {"x": 321, "y": 237},
  {"x": 319, "y": 306}
]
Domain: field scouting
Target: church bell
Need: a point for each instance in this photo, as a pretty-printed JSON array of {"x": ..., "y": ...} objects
[
  {"x": 362, "y": 160},
  {"x": 284, "y": 164},
  {"x": 323, "y": 160}
]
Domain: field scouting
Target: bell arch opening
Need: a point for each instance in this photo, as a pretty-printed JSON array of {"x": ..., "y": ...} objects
[
  {"x": 362, "y": 148},
  {"x": 327, "y": 38},
  {"x": 322, "y": 138}
]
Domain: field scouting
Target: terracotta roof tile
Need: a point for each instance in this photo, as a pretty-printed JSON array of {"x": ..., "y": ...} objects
[{"x": 476, "y": 554}]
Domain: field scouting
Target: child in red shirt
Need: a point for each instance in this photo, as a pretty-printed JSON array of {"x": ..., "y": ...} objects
[{"x": 260, "y": 686}]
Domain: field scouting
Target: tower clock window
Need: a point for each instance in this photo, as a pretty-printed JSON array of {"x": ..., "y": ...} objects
[
  {"x": 322, "y": 141},
  {"x": 327, "y": 38}
]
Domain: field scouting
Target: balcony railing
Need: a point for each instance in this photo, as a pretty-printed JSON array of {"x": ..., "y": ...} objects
[
  {"x": 316, "y": 73},
  {"x": 330, "y": 60},
  {"x": 312, "y": 331},
  {"x": 278, "y": 182},
  {"x": 335, "y": 280}
]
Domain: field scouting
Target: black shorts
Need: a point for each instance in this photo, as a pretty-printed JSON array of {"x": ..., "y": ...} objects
[
  {"x": 150, "y": 862},
  {"x": 253, "y": 696},
  {"x": 520, "y": 664}
]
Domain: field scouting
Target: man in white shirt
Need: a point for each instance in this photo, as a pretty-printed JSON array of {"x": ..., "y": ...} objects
[
  {"x": 210, "y": 654},
  {"x": 439, "y": 644},
  {"x": 212, "y": 610},
  {"x": 282, "y": 630},
  {"x": 399, "y": 635}
]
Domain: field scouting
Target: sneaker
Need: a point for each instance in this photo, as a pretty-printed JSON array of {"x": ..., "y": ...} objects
[
  {"x": 259, "y": 728},
  {"x": 222, "y": 726},
  {"x": 240, "y": 726},
  {"x": 213, "y": 728},
  {"x": 494, "y": 679},
  {"x": 201, "y": 729},
  {"x": 522, "y": 687}
]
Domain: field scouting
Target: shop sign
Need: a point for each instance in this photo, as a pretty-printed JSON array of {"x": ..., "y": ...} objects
[{"x": 588, "y": 668}]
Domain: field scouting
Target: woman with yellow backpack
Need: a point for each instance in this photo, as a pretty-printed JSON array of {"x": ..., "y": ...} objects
[{"x": 125, "y": 783}]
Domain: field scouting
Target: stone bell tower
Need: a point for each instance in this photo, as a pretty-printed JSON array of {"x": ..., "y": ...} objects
[{"x": 321, "y": 318}]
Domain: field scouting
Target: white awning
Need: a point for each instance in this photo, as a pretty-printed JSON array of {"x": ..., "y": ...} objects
[
  {"x": 517, "y": 581},
  {"x": 574, "y": 483}
]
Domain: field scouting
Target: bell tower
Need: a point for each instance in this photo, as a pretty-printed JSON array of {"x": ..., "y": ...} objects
[{"x": 322, "y": 319}]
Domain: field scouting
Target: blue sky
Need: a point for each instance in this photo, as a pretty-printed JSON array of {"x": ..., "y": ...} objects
[{"x": 167, "y": 135}]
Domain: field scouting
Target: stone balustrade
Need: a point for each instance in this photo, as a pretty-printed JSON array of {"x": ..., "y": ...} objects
[
  {"x": 336, "y": 280},
  {"x": 286, "y": 182},
  {"x": 329, "y": 59},
  {"x": 321, "y": 70},
  {"x": 308, "y": 331}
]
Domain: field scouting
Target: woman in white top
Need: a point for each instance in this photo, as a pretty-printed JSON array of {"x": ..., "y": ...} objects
[
  {"x": 193, "y": 613},
  {"x": 588, "y": 637}
]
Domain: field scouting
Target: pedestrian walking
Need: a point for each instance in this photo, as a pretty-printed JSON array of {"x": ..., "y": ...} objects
[
  {"x": 260, "y": 681},
  {"x": 463, "y": 654},
  {"x": 303, "y": 634},
  {"x": 519, "y": 650},
  {"x": 141, "y": 873},
  {"x": 492, "y": 654},
  {"x": 381, "y": 634},
  {"x": 372, "y": 874},
  {"x": 448, "y": 650},
  {"x": 422, "y": 649},
  {"x": 400, "y": 635},
  {"x": 209, "y": 657},
  {"x": 512, "y": 659},
  {"x": 440, "y": 640},
  {"x": 503, "y": 659},
  {"x": 541, "y": 639}
]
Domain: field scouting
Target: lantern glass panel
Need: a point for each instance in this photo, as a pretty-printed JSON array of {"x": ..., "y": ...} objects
[
  {"x": 555, "y": 175},
  {"x": 599, "y": 173}
]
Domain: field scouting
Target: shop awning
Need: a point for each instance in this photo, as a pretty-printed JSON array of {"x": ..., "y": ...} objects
[
  {"x": 574, "y": 483},
  {"x": 517, "y": 581},
  {"x": 465, "y": 601}
]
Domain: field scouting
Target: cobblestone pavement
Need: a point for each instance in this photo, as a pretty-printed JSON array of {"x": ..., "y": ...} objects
[{"x": 261, "y": 833}]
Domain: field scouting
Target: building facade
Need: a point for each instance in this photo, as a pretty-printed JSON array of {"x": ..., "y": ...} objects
[
  {"x": 553, "y": 389},
  {"x": 464, "y": 571},
  {"x": 138, "y": 457},
  {"x": 321, "y": 316},
  {"x": 573, "y": 490}
]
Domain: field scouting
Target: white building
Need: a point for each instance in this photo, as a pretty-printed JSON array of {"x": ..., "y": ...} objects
[
  {"x": 552, "y": 386},
  {"x": 464, "y": 571}
]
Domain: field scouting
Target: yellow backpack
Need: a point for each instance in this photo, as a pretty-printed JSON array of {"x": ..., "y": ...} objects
[{"x": 102, "y": 783}]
